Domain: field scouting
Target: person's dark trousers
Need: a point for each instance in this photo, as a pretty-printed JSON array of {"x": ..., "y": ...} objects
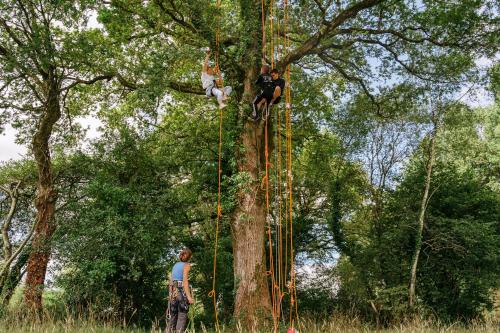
[
  {"x": 257, "y": 100},
  {"x": 179, "y": 312}
]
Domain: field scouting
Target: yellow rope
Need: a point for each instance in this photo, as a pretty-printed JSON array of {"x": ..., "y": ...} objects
[
  {"x": 271, "y": 19},
  {"x": 288, "y": 101},
  {"x": 213, "y": 293}
]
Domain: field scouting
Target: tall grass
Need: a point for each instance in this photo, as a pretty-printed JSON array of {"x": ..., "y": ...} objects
[
  {"x": 342, "y": 324},
  {"x": 18, "y": 323},
  {"x": 56, "y": 318}
]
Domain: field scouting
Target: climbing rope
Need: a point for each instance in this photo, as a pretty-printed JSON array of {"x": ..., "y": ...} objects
[
  {"x": 270, "y": 242},
  {"x": 263, "y": 18},
  {"x": 271, "y": 271},
  {"x": 288, "y": 103},
  {"x": 213, "y": 293},
  {"x": 279, "y": 283},
  {"x": 271, "y": 44}
]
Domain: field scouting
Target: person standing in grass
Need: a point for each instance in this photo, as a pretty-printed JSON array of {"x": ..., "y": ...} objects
[{"x": 179, "y": 294}]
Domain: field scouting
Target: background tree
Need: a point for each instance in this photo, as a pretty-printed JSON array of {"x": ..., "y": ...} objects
[
  {"x": 17, "y": 226},
  {"x": 45, "y": 53}
]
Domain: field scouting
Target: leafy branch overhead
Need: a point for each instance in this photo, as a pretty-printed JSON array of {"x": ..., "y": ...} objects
[{"x": 433, "y": 42}]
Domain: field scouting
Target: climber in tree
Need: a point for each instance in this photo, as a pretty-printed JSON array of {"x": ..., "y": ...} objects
[
  {"x": 279, "y": 87},
  {"x": 271, "y": 87},
  {"x": 213, "y": 87},
  {"x": 265, "y": 84}
]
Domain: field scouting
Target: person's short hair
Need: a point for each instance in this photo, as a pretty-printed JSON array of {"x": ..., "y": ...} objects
[
  {"x": 185, "y": 254},
  {"x": 266, "y": 68},
  {"x": 275, "y": 71}
]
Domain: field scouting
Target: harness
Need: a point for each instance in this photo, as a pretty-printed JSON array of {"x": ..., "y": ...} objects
[
  {"x": 208, "y": 91},
  {"x": 175, "y": 293}
]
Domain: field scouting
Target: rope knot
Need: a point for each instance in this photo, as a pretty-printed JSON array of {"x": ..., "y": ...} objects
[
  {"x": 211, "y": 293},
  {"x": 263, "y": 184},
  {"x": 269, "y": 273}
]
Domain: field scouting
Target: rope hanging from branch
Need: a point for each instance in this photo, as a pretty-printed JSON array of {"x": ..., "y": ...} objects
[{"x": 213, "y": 293}]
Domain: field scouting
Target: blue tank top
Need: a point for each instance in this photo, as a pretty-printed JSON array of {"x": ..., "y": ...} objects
[{"x": 178, "y": 271}]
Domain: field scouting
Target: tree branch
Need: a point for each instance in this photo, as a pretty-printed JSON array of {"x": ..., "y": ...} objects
[
  {"x": 18, "y": 251},
  {"x": 321, "y": 7},
  {"x": 349, "y": 77},
  {"x": 178, "y": 86},
  {"x": 77, "y": 81},
  {"x": 399, "y": 34},
  {"x": 396, "y": 58},
  {"x": 309, "y": 45},
  {"x": 186, "y": 88},
  {"x": 176, "y": 19},
  {"x": 13, "y": 194},
  {"x": 9, "y": 81}
]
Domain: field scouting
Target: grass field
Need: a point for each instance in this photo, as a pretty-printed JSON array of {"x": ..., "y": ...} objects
[
  {"x": 337, "y": 324},
  {"x": 13, "y": 322}
]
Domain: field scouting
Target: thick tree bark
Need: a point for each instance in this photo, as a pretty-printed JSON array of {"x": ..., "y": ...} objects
[
  {"x": 45, "y": 200},
  {"x": 252, "y": 300},
  {"x": 421, "y": 217}
]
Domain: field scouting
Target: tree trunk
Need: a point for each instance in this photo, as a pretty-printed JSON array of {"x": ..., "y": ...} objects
[
  {"x": 421, "y": 216},
  {"x": 252, "y": 301},
  {"x": 13, "y": 193},
  {"x": 45, "y": 200},
  {"x": 13, "y": 277},
  {"x": 7, "y": 274}
]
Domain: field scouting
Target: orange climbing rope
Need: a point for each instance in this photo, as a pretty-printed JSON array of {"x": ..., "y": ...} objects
[
  {"x": 288, "y": 103},
  {"x": 270, "y": 272},
  {"x": 271, "y": 19},
  {"x": 271, "y": 258},
  {"x": 217, "y": 39},
  {"x": 278, "y": 284},
  {"x": 263, "y": 17},
  {"x": 279, "y": 193},
  {"x": 213, "y": 293}
]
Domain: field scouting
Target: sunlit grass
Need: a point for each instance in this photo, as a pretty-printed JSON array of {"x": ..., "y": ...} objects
[
  {"x": 57, "y": 319},
  {"x": 14, "y": 324}
]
